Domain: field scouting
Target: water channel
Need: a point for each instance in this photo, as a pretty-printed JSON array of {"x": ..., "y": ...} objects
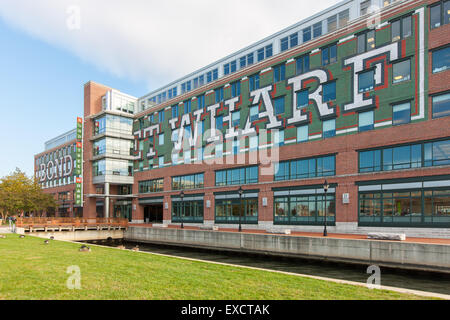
[{"x": 417, "y": 280}]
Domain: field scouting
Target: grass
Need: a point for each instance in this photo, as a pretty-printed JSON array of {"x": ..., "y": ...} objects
[{"x": 32, "y": 270}]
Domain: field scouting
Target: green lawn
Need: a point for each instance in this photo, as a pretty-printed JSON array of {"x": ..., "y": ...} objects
[{"x": 32, "y": 270}]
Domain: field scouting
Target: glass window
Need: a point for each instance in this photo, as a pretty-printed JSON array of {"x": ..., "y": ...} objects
[
  {"x": 366, "y": 41},
  {"x": 344, "y": 17},
  {"x": 406, "y": 27},
  {"x": 250, "y": 59},
  {"x": 435, "y": 16},
  {"x": 365, "y": 121},
  {"x": 269, "y": 51},
  {"x": 253, "y": 143},
  {"x": 329, "y": 128},
  {"x": 441, "y": 105},
  {"x": 161, "y": 161},
  {"x": 174, "y": 111},
  {"x": 317, "y": 29},
  {"x": 329, "y": 55},
  {"x": 226, "y": 69},
  {"x": 279, "y": 105},
  {"x": 441, "y": 60},
  {"x": 302, "y": 65},
  {"x": 279, "y": 73},
  {"x": 401, "y": 114},
  {"x": 366, "y": 81},
  {"x": 219, "y": 123},
  {"x": 242, "y": 62},
  {"x": 329, "y": 91},
  {"x": 293, "y": 40},
  {"x": 161, "y": 116},
  {"x": 306, "y": 34},
  {"x": 161, "y": 139},
  {"x": 279, "y": 137},
  {"x": 237, "y": 176},
  {"x": 302, "y": 99},
  {"x": 370, "y": 161},
  {"x": 233, "y": 66},
  {"x": 254, "y": 82},
  {"x": 302, "y": 134},
  {"x": 236, "y": 118},
  {"x": 332, "y": 23},
  {"x": 365, "y": 7},
  {"x": 236, "y": 89},
  {"x": 402, "y": 71},
  {"x": 254, "y": 113},
  {"x": 260, "y": 54},
  {"x": 219, "y": 95},
  {"x": 284, "y": 44}
]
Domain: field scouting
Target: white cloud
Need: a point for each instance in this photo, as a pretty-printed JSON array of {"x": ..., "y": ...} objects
[{"x": 155, "y": 41}]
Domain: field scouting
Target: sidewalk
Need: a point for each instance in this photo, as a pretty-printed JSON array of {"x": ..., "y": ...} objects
[
  {"x": 4, "y": 230},
  {"x": 313, "y": 234}
]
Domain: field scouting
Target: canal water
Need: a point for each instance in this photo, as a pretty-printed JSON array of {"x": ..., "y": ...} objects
[{"x": 417, "y": 280}]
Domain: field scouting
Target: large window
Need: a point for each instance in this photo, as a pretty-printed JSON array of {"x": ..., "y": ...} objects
[
  {"x": 401, "y": 114},
  {"x": 302, "y": 134},
  {"x": 402, "y": 71},
  {"x": 329, "y": 128},
  {"x": 112, "y": 167},
  {"x": 151, "y": 186},
  {"x": 317, "y": 29},
  {"x": 329, "y": 54},
  {"x": 366, "y": 41},
  {"x": 441, "y": 105},
  {"x": 253, "y": 82},
  {"x": 401, "y": 28},
  {"x": 247, "y": 175},
  {"x": 233, "y": 210},
  {"x": 279, "y": 105},
  {"x": 302, "y": 64},
  {"x": 441, "y": 60},
  {"x": 329, "y": 91},
  {"x": 279, "y": 73},
  {"x": 306, "y": 34},
  {"x": 113, "y": 124},
  {"x": 440, "y": 14},
  {"x": 236, "y": 89},
  {"x": 420, "y": 207},
  {"x": 187, "y": 211},
  {"x": 366, "y": 81},
  {"x": 405, "y": 157},
  {"x": 304, "y": 209},
  {"x": 305, "y": 168},
  {"x": 365, "y": 121},
  {"x": 195, "y": 181},
  {"x": 219, "y": 95}
]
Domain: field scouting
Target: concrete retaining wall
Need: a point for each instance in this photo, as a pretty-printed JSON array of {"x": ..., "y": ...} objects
[
  {"x": 81, "y": 235},
  {"x": 430, "y": 257}
]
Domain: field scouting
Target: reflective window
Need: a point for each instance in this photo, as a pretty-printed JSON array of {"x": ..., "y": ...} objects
[
  {"x": 246, "y": 175},
  {"x": 306, "y": 34},
  {"x": 366, "y": 81},
  {"x": 365, "y": 121},
  {"x": 302, "y": 65},
  {"x": 401, "y": 114},
  {"x": 195, "y": 181},
  {"x": 329, "y": 91},
  {"x": 402, "y": 71},
  {"x": 329, "y": 128},
  {"x": 151, "y": 186},
  {"x": 236, "y": 118},
  {"x": 440, "y": 14},
  {"x": 329, "y": 55},
  {"x": 279, "y": 105},
  {"x": 441, "y": 60},
  {"x": 254, "y": 113},
  {"x": 317, "y": 29},
  {"x": 254, "y": 82},
  {"x": 441, "y": 105},
  {"x": 279, "y": 73},
  {"x": 302, "y": 99},
  {"x": 302, "y": 134},
  {"x": 305, "y": 168},
  {"x": 236, "y": 210}
]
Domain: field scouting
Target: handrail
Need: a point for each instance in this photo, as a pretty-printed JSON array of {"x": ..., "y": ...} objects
[{"x": 49, "y": 222}]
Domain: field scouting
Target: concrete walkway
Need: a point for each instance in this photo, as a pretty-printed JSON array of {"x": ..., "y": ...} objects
[{"x": 312, "y": 234}]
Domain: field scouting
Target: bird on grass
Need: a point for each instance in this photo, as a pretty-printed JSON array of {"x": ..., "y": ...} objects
[
  {"x": 52, "y": 238},
  {"x": 85, "y": 248},
  {"x": 136, "y": 248},
  {"x": 22, "y": 236},
  {"x": 46, "y": 242}
]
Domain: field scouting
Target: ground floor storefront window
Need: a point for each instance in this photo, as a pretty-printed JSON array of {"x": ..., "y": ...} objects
[
  {"x": 187, "y": 211},
  {"x": 304, "y": 209},
  {"x": 233, "y": 210},
  {"x": 413, "y": 208}
]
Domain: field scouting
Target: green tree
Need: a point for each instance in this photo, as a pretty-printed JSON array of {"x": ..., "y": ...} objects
[{"x": 19, "y": 194}]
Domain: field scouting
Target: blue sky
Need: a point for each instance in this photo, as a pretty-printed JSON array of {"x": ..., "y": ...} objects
[
  {"x": 41, "y": 89},
  {"x": 135, "y": 46}
]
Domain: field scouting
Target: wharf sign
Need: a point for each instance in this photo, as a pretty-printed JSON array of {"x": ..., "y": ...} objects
[{"x": 79, "y": 163}]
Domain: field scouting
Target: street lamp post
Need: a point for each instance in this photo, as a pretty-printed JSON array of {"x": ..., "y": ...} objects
[
  {"x": 326, "y": 186},
  {"x": 182, "y": 214},
  {"x": 241, "y": 191}
]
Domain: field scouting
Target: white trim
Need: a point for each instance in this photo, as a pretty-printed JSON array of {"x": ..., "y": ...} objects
[{"x": 383, "y": 124}]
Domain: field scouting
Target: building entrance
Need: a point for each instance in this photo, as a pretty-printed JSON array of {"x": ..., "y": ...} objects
[{"x": 153, "y": 214}]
